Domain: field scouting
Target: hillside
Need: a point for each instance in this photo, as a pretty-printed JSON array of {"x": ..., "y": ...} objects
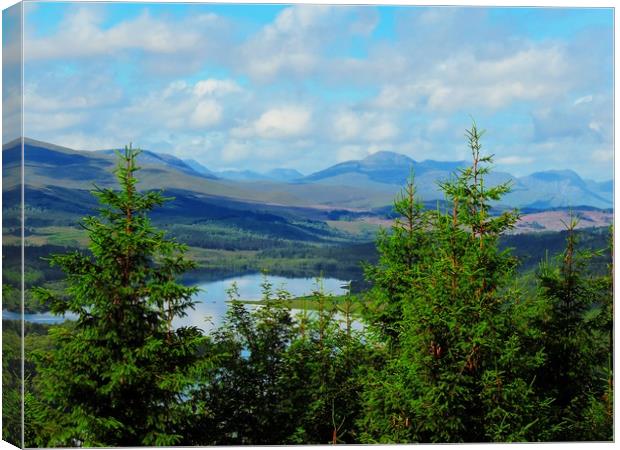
[{"x": 366, "y": 186}]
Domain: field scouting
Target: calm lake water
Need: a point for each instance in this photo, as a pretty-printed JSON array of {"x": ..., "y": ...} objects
[
  {"x": 213, "y": 298},
  {"x": 208, "y": 314},
  {"x": 36, "y": 317}
]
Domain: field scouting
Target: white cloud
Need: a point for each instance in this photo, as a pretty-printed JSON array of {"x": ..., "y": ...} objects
[
  {"x": 43, "y": 122},
  {"x": 278, "y": 123},
  {"x": 603, "y": 155},
  {"x": 514, "y": 159},
  {"x": 366, "y": 126},
  {"x": 536, "y": 73},
  {"x": 318, "y": 86},
  {"x": 585, "y": 122},
  {"x": 206, "y": 113},
  {"x": 235, "y": 151},
  {"x": 184, "y": 106},
  {"x": 382, "y": 131},
  {"x": 595, "y": 126},
  {"x": 283, "y": 122},
  {"x": 81, "y": 35},
  {"x": 294, "y": 44},
  {"x": 216, "y": 87},
  {"x": 584, "y": 99},
  {"x": 287, "y": 45},
  {"x": 346, "y": 126}
]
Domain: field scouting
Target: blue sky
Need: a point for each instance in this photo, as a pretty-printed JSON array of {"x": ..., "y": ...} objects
[{"x": 303, "y": 86}]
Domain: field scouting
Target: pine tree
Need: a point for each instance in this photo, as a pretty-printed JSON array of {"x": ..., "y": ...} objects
[
  {"x": 400, "y": 253},
  {"x": 122, "y": 374},
  {"x": 324, "y": 362},
  {"x": 459, "y": 374},
  {"x": 577, "y": 325}
]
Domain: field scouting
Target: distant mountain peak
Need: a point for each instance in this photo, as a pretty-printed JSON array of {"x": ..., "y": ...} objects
[
  {"x": 387, "y": 157},
  {"x": 385, "y": 167},
  {"x": 558, "y": 175}
]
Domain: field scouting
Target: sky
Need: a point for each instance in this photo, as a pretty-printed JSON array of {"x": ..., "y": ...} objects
[{"x": 307, "y": 86}]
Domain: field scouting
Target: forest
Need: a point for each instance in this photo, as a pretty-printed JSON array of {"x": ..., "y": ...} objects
[{"x": 445, "y": 342}]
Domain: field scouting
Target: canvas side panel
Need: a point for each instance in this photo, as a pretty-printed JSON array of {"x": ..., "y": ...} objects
[{"x": 12, "y": 226}]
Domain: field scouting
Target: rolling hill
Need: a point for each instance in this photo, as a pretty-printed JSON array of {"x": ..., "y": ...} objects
[{"x": 354, "y": 186}]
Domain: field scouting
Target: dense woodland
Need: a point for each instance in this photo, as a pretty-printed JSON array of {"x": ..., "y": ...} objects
[{"x": 454, "y": 347}]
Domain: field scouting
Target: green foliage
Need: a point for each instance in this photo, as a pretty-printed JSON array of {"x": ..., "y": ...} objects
[
  {"x": 578, "y": 330},
  {"x": 281, "y": 378},
  {"x": 458, "y": 373},
  {"x": 400, "y": 253},
  {"x": 246, "y": 400},
  {"x": 325, "y": 361},
  {"x": 119, "y": 377},
  {"x": 11, "y": 380}
]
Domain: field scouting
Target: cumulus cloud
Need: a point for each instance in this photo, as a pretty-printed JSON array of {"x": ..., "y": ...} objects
[
  {"x": 278, "y": 123},
  {"x": 294, "y": 43},
  {"x": 585, "y": 121},
  {"x": 186, "y": 106},
  {"x": 603, "y": 155},
  {"x": 206, "y": 113},
  {"x": 71, "y": 93},
  {"x": 235, "y": 151},
  {"x": 216, "y": 87},
  {"x": 537, "y": 73},
  {"x": 514, "y": 159},
  {"x": 366, "y": 126},
  {"x": 287, "y": 45},
  {"x": 82, "y": 35},
  {"x": 382, "y": 131},
  {"x": 346, "y": 126}
]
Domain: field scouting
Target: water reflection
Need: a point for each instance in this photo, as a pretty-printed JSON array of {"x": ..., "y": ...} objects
[
  {"x": 44, "y": 317},
  {"x": 211, "y": 310}
]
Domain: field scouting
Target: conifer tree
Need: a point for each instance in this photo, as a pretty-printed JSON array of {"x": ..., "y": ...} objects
[
  {"x": 401, "y": 252},
  {"x": 459, "y": 374},
  {"x": 577, "y": 329},
  {"x": 324, "y": 361},
  {"x": 121, "y": 375}
]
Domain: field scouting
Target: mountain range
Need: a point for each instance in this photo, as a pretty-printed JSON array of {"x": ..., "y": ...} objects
[
  {"x": 359, "y": 185},
  {"x": 539, "y": 190}
]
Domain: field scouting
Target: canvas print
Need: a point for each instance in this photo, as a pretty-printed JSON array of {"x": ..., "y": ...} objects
[{"x": 284, "y": 224}]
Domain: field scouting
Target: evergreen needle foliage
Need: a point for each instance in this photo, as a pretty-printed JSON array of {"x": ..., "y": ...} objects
[
  {"x": 120, "y": 375},
  {"x": 457, "y": 372},
  {"x": 578, "y": 339}
]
